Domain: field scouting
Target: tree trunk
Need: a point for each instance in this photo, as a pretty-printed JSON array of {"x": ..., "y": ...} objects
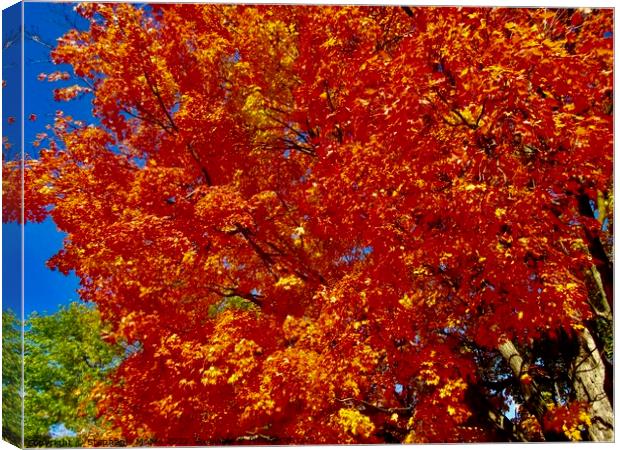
[
  {"x": 519, "y": 368},
  {"x": 600, "y": 305},
  {"x": 588, "y": 375}
]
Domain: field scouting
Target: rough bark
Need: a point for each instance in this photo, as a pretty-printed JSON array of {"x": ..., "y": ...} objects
[
  {"x": 531, "y": 393},
  {"x": 600, "y": 305},
  {"x": 588, "y": 375}
]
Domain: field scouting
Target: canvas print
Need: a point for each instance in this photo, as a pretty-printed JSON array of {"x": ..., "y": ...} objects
[{"x": 306, "y": 224}]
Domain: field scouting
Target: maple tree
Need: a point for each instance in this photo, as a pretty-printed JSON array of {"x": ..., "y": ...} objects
[{"x": 341, "y": 224}]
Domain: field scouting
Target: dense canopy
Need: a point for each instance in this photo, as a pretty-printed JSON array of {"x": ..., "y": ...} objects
[
  {"x": 65, "y": 357},
  {"x": 341, "y": 224}
]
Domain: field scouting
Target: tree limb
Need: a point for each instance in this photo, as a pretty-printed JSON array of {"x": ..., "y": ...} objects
[{"x": 588, "y": 376}]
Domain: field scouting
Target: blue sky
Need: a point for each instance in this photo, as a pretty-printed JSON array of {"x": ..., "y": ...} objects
[
  {"x": 45, "y": 290},
  {"x": 11, "y": 236}
]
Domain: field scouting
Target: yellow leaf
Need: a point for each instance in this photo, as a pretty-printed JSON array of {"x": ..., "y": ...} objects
[
  {"x": 354, "y": 422},
  {"x": 288, "y": 282},
  {"x": 526, "y": 378},
  {"x": 331, "y": 42},
  {"x": 189, "y": 256},
  {"x": 406, "y": 302},
  {"x": 471, "y": 187},
  {"x": 45, "y": 190}
]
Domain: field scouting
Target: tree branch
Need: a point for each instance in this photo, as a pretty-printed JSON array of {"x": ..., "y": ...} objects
[
  {"x": 588, "y": 377},
  {"x": 529, "y": 388},
  {"x": 378, "y": 408}
]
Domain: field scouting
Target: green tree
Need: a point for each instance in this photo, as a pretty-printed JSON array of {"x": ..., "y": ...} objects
[
  {"x": 65, "y": 357},
  {"x": 11, "y": 377}
]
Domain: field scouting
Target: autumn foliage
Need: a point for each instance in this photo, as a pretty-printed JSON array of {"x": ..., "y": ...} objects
[{"x": 341, "y": 224}]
